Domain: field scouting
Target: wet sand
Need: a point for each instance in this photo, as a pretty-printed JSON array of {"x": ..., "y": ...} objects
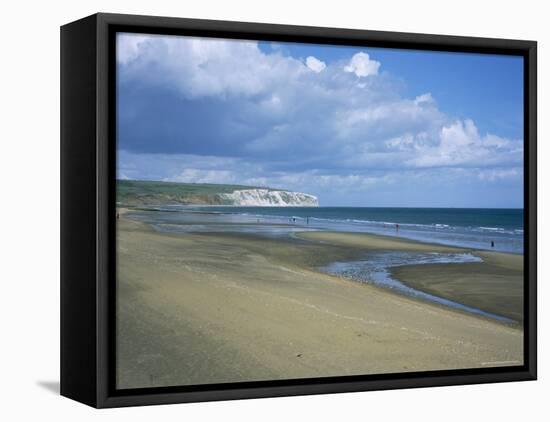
[
  {"x": 494, "y": 285},
  {"x": 228, "y": 307}
]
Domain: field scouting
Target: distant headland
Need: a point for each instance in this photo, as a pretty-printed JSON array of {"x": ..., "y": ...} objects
[{"x": 142, "y": 192}]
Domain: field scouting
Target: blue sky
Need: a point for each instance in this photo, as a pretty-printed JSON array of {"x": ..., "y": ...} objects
[{"x": 354, "y": 126}]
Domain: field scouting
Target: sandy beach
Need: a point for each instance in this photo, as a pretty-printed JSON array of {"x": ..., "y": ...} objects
[{"x": 200, "y": 308}]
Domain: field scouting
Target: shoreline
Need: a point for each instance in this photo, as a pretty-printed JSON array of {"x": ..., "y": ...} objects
[
  {"x": 227, "y": 307},
  {"x": 407, "y": 274},
  {"x": 429, "y": 233},
  {"x": 508, "y": 266}
]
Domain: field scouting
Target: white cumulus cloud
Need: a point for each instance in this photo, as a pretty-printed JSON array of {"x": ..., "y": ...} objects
[
  {"x": 315, "y": 64},
  {"x": 203, "y": 67},
  {"x": 362, "y": 65},
  {"x": 129, "y": 46},
  {"x": 460, "y": 144},
  {"x": 424, "y": 99},
  {"x": 228, "y": 111}
]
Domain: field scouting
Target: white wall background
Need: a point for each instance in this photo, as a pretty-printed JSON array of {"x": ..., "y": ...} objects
[{"x": 29, "y": 175}]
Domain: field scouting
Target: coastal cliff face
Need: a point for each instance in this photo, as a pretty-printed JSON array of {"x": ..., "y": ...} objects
[
  {"x": 269, "y": 198},
  {"x": 146, "y": 193}
]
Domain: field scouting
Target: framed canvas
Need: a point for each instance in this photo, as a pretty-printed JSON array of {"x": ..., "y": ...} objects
[{"x": 256, "y": 210}]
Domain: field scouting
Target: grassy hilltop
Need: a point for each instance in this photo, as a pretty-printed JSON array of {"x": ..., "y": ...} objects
[{"x": 141, "y": 192}]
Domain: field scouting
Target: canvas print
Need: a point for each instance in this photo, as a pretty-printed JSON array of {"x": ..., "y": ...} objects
[{"x": 288, "y": 211}]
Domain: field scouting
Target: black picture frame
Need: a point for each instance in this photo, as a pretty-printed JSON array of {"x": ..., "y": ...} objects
[{"x": 88, "y": 149}]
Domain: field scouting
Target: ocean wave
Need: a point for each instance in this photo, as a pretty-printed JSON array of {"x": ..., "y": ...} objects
[
  {"x": 339, "y": 220},
  {"x": 365, "y": 222},
  {"x": 481, "y": 236}
]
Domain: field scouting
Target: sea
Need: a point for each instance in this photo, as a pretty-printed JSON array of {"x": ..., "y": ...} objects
[{"x": 499, "y": 230}]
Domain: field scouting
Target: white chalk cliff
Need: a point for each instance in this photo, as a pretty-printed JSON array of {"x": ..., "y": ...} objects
[{"x": 268, "y": 198}]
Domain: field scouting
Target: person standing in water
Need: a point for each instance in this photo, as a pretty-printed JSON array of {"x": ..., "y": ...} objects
[
  {"x": 397, "y": 227},
  {"x": 492, "y": 243}
]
